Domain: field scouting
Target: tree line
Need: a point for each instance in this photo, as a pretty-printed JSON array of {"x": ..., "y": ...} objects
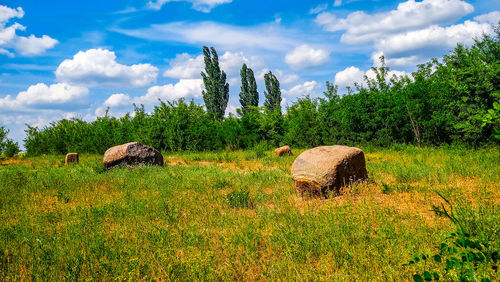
[{"x": 452, "y": 100}]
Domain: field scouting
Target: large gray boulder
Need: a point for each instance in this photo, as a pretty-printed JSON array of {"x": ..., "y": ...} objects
[
  {"x": 131, "y": 154},
  {"x": 327, "y": 168}
]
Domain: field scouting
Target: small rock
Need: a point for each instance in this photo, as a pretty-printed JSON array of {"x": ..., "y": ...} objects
[
  {"x": 283, "y": 151},
  {"x": 132, "y": 154},
  {"x": 327, "y": 168},
  {"x": 71, "y": 158}
]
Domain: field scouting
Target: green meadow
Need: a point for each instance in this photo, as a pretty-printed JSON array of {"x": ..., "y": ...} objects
[{"x": 234, "y": 215}]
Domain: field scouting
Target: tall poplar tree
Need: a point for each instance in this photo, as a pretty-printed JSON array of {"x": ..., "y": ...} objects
[
  {"x": 216, "y": 93},
  {"x": 248, "y": 95},
  {"x": 273, "y": 93}
]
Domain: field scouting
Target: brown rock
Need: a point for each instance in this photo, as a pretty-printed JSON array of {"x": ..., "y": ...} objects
[
  {"x": 327, "y": 168},
  {"x": 283, "y": 151},
  {"x": 131, "y": 154},
  {"x": 71, "y": 158}
]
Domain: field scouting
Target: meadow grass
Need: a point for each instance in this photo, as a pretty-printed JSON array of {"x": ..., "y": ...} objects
[{"x": 235, "y": 216}]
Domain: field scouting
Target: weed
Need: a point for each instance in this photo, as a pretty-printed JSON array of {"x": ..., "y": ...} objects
[
  {"x": 388, "y": 189},
  {"x": 239, "y": 199},
  {"x": 260, "y": 150}
]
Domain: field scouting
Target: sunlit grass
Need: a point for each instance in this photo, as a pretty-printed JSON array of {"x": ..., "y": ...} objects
[{"x": 231, "y": 215}]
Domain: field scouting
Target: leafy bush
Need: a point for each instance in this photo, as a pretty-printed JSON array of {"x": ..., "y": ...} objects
[
  {"x": 11, "y": 148},
  {"x": 470, "y": 253},
  {"x": 7, "y": 146},
  {"x": 260, "y": 150}
]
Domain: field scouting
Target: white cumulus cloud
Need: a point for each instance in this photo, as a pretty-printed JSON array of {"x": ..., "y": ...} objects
[
  {"x": 7, "y": 13},
  {"x": 305, "y": 56},
  {"x": 118, "y": 100},
  {"x": 418, "y": 46},
  {"x": 306, "y": 88},
  {"x": 98, "y": 67},
  {"x": 182, "y": 89},
  {"x": 32, "y": 45},
  {"x": 46, "y": 96},
  {"x": 410, "y": 15},
  {"x": 349, "y": 76},
  {"x": 491, "y": 18},
  {"x": 11, "y": 43}
]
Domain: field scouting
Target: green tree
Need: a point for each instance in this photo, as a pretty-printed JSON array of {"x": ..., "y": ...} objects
[
  {"x": 11, "y": 148},
  {"x": 3, "y": 136},
  {"x": 273, "y": 93},
  {"x": 7, "y": 146},
  {"x": 248, "y": 95},
  {"x": 216, "y": 93},
  {"x": 302, "y": 124}
]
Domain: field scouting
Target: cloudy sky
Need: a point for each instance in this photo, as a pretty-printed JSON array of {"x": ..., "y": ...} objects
[{"x": 62, "y": 59}]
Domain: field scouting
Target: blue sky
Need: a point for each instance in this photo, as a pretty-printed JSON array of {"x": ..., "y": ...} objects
[{"x": 62, "y": 59}]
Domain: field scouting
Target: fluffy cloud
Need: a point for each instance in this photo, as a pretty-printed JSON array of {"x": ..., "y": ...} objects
[
  {"x": 417, "y": 46},
  {"x": 348, "y": 76},
  {"x": 351, "y": 75},
  {"x": 7, "y": 13},
  {"x": 267, "y": 36},
  {"x": 199, "y": 5},
  {"x": 121, "y": 103},
  {"x": 118, "y": 100},
  {"x": 11, "y": 42},
  {"x": 31, "y": 45},
  {"x": 186, "y": 66},
  {"x": 182, "y": 89},
  {"x": 47, "y": 97},
  {"x": 305, "y": 56},
  {"x": 492, "y": 18},
  {"x": 361, "y": 27},
  {"x": 414, "y": 32},
  {"x": 98, "y": 67},
  {"x": 307, "y": 88}
]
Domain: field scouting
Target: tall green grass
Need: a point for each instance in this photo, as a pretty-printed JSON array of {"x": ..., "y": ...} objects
[{"x": 230, "y": 216}]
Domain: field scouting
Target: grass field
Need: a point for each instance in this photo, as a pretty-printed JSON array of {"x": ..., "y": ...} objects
[{"x": 235, "y": 216}]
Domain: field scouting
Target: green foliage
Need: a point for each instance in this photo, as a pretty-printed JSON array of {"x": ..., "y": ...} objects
[
  {"x": 492, "y": 117},
  {"x": 216, "y": 93},
  {"x": 470, "y": 253},
  {"x": 260, "y": 150},
  {"x": 248, "y": 95},
  {"x": 3, "y": 136},
  {"x": 11, "y": 148},
  {"x": 302, "y": 123},
  {"x": 7, "y": 147},
  {"x": 272, "y": 93}
]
